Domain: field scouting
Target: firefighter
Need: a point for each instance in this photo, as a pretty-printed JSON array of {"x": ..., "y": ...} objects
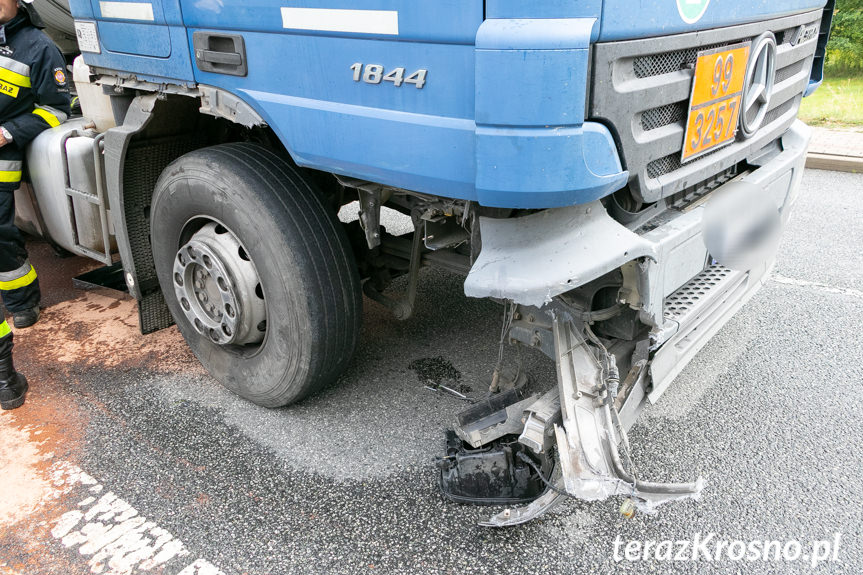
[
  {"x": 13, "y": 385},
  {"x": 33, "y": 97}
]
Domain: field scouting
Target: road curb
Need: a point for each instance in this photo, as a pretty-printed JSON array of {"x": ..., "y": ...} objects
[{"x": 834, "y": 162}]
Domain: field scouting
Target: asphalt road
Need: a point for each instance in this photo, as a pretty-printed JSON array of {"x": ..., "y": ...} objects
[{"x": 128, "y": 459}]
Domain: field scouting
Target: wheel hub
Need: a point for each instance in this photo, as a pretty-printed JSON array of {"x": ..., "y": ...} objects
[{"x": 218, "y": 288}]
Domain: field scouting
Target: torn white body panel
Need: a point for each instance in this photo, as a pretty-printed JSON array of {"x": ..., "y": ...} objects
[
  {"x": 532, "y": 259},
  {"x": 588, "y": 442}
]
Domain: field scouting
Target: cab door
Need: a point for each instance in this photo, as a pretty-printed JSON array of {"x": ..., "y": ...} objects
[
  {"x": 135, "y": 27},
  {"x": 144, "y": 37},
  {"x": 378, "y": 89}
]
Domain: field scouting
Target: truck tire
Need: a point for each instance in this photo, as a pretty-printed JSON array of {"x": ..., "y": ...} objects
[{"x": 256, "y": 271}]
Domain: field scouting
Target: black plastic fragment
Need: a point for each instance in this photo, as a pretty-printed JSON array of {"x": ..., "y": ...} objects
[
  {"x": 491, "y": 475},
  {"x": 489, "y": 411}
]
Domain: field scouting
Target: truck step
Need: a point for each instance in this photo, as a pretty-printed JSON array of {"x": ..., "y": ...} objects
[
  {"x": 686, "y": 305},
  {"x": 700, "y": 308}
]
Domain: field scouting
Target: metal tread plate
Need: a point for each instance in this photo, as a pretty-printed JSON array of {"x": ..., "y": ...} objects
[{"x": 687, "y": 303}]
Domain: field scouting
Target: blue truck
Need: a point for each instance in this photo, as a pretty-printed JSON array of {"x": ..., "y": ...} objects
[{"x": 614, "y": 173}]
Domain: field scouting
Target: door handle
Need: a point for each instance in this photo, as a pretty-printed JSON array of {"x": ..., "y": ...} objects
[
  {"x": 220, "y": 53},
  {"x": 228, "y": 58}
]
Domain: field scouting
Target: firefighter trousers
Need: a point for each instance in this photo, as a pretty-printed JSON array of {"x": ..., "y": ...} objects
[{"x": 19, "y": 285}]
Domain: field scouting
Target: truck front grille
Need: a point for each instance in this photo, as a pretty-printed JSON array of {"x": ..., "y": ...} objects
[
  {"x": 644, "y": 93},
  {"x": 667, "y": 62},
  {"x": 663, "y": 116},
  {"x": 663, "y": 165}
]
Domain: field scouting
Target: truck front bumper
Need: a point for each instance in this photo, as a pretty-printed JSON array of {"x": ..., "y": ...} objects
[{"x": 532, "y": 259}]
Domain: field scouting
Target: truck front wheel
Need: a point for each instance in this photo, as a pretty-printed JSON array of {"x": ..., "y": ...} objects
[{"x": 256, "y": 271}]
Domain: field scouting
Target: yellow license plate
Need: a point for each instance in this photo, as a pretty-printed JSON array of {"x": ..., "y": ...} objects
[{"x": 714, "y": 106}]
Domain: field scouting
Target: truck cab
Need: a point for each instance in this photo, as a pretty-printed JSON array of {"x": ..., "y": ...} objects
[{"x": 615, "y": 173}]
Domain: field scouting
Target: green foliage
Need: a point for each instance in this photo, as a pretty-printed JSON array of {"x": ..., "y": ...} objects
[
  {"x": 845, "y": 49},
  {"x": 838, "y": 102}
]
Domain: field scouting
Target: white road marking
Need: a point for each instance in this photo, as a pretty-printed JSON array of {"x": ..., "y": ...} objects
[
  {"x": 331, "y": 20},
  {"x": 817, "y": 285},
  {"x": 127, "y": 10},
  {"x": 115, "y": 537}
]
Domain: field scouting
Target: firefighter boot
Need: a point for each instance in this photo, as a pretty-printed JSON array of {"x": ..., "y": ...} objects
[
  {"x": 25, "y": 318},
  {"x": 13, "y": 385}
]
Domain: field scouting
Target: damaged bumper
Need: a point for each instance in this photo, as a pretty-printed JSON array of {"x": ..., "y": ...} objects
[
  {"x": 589, "y": 438},
  {"x": 532, "y": 259},
  {"x": 668, "y": 279}
]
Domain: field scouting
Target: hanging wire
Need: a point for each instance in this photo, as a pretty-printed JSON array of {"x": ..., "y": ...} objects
[
  {"x": 629, "y": 461},
  {"x": 508, "y": 316}
]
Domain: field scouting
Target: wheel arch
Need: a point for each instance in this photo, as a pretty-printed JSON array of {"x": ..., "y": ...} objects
[{"x": 158, "y": 127}]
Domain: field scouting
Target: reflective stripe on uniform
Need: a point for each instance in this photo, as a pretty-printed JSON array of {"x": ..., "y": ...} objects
[
  {"x": 4, "y": 329},
  {"x": 14, "y": 77},
  {"x": 11, "y": 166},
  {"x": 14, "y": 66},
  {"x": 10, "y": 171},
  {"x": 56, "y": 114},
  {"x": 22, "y": 277},
  {"x": 50, "y": 118},
  {"x": 10, "y": 176}
]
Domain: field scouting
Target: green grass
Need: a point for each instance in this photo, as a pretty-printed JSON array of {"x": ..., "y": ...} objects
[{"x": 838, "y": 102}]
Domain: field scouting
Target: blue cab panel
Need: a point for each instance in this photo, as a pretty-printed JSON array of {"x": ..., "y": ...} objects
[
  {"x": 146, "y": 38},
  {"x": 518, "y": 9},
  {"x": 309, "y": 77},
  {"x": 534, "y": 148},
  {"x": 499, "y": 119},
  {"x": 816, "y": 76},
  {"x": 626, "y": 19},
  {"x": 470, "y": 99},
  {"x": 133, "y": 27}
]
